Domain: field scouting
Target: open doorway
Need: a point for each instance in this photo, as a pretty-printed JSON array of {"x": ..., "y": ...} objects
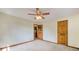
[{"x": 38, "y": 31}]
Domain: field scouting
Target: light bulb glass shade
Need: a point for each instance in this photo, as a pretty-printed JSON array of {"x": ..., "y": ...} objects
[{"x": 38, "y": 17}]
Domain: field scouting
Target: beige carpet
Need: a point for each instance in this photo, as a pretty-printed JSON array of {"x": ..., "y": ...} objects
[{"x": 39, "y": 45}]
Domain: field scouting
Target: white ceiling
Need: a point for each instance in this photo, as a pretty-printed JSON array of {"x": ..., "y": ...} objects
[{"x": 55, "y": 13}]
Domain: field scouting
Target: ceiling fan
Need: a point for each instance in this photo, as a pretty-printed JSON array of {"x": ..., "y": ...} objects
[{"x": 38, "y": 14}]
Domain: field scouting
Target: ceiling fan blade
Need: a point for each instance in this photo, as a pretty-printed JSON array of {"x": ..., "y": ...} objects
[
  {"x": 43, "y": 17},
  {"x": 31, "y": 14},
  {"x": 46, "y": 13}
]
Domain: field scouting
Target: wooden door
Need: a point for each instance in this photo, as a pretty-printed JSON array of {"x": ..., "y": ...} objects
[
  {"x": 62, "y": 32},
  {"x": 40, "y": 32}
]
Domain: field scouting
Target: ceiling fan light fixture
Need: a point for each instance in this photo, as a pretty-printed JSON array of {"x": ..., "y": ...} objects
[{"x": 38, "y": 14}]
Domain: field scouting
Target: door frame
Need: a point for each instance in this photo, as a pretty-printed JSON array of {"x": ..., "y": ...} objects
[{"x": 37, "y": 31}]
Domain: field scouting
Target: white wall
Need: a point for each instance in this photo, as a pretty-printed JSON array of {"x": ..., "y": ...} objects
[
  {"x": 14, "y": 30},
  {"x": 73, "y": 30},
  {"x": 49, "y": 31}
]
